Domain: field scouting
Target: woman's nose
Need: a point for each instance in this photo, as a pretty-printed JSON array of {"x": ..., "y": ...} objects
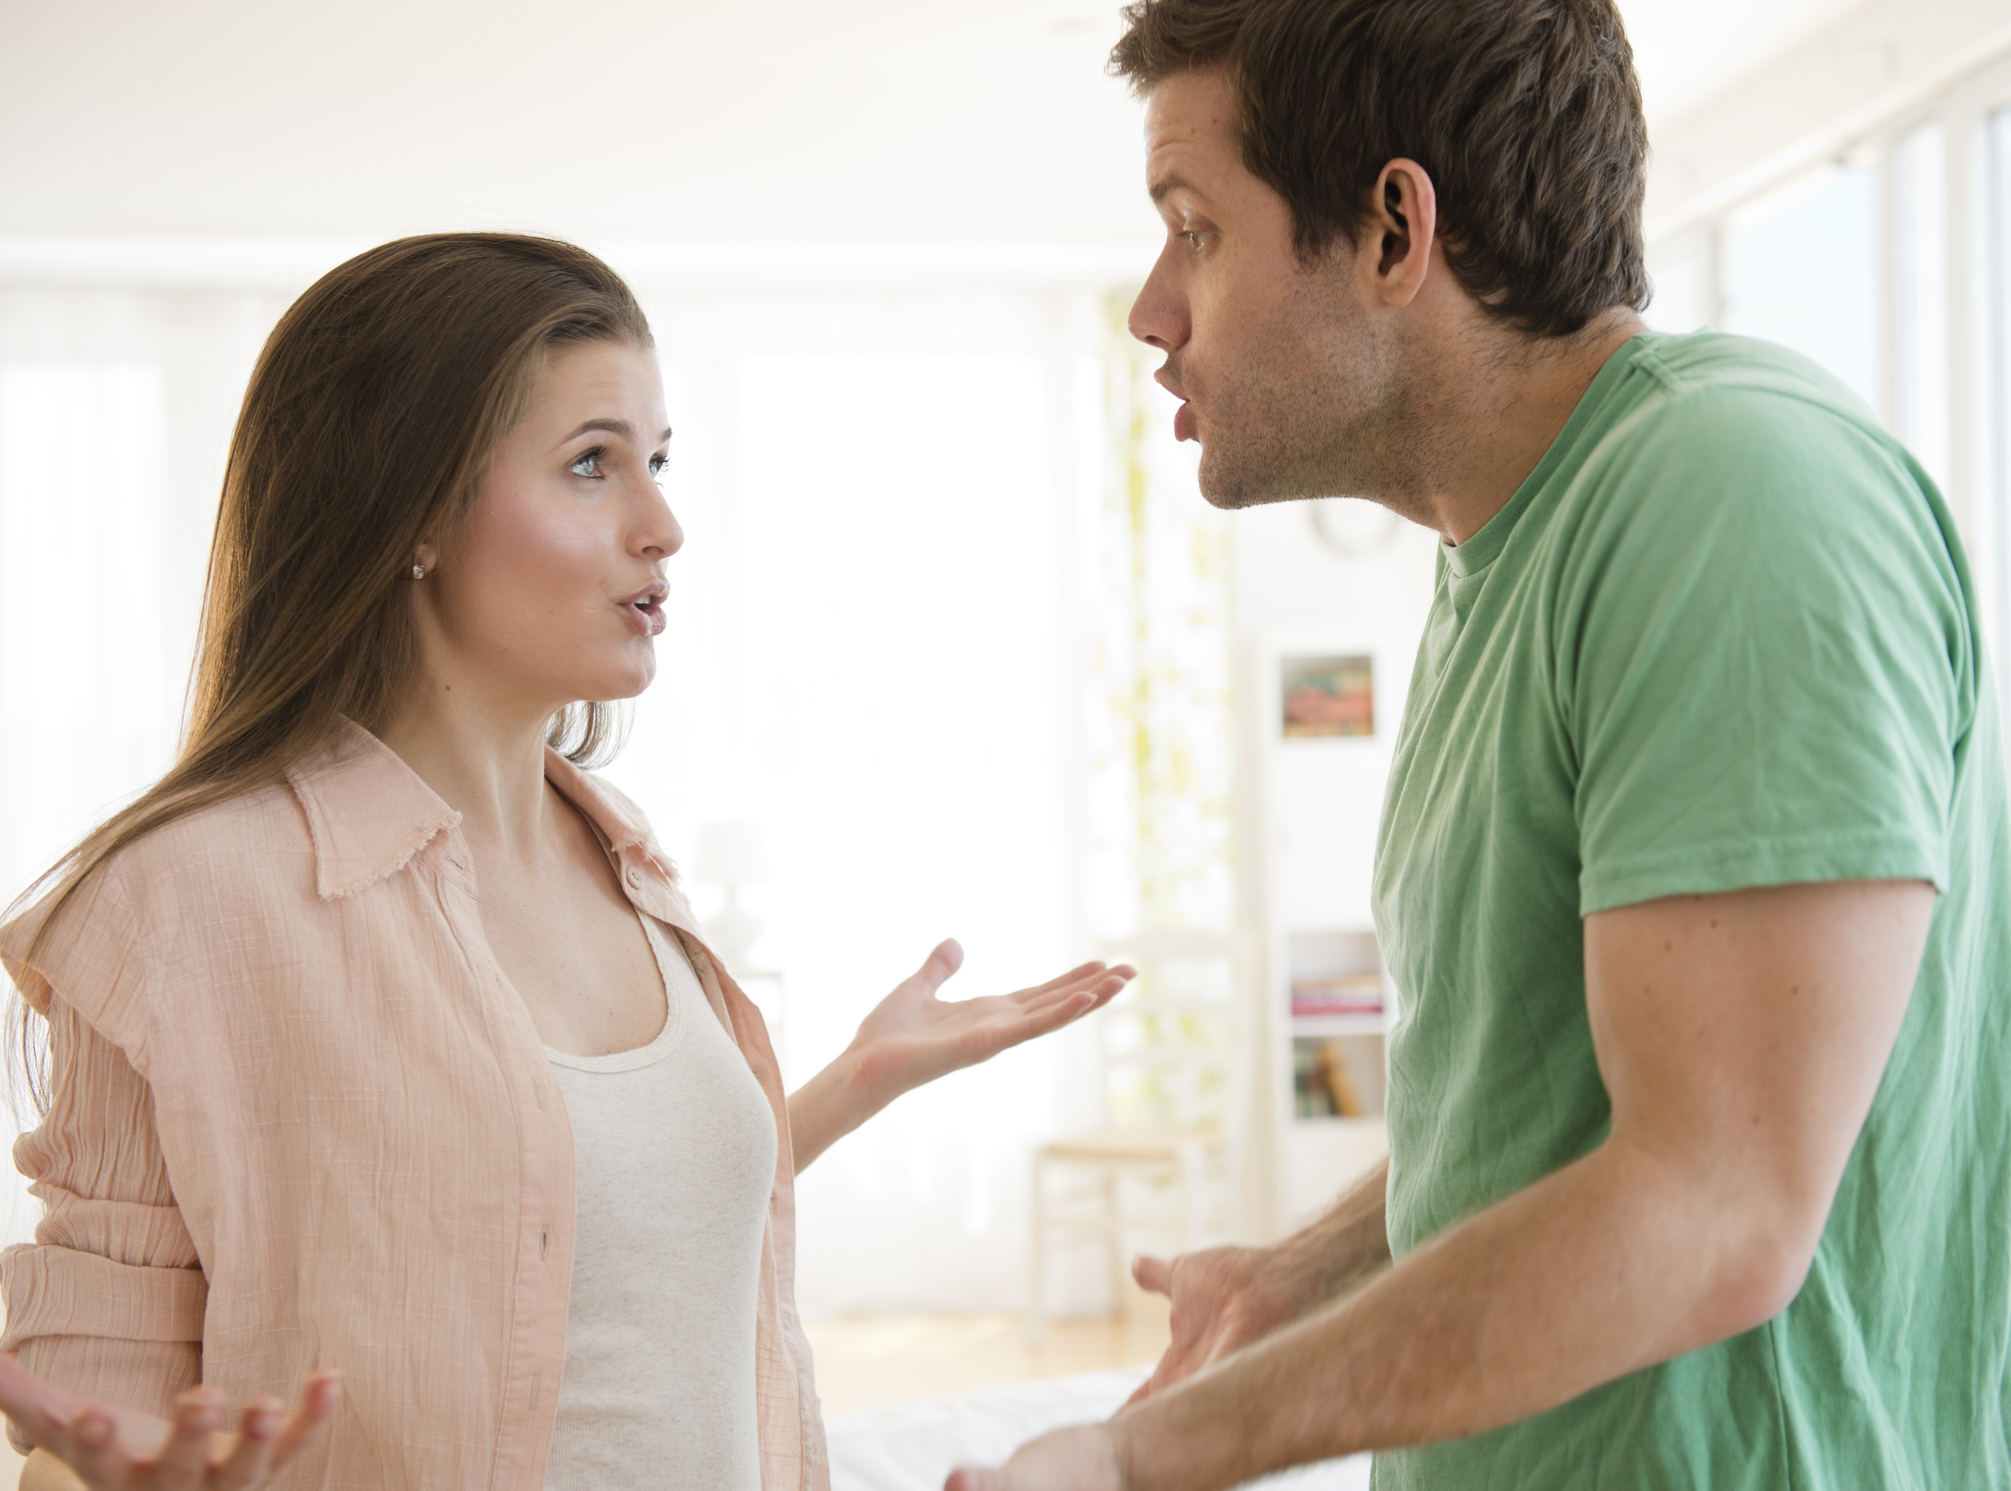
[{"x": 660, "y": 534}]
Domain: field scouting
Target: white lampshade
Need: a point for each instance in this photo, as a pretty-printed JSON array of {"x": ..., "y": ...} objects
[{"x": 731, "y": 854}]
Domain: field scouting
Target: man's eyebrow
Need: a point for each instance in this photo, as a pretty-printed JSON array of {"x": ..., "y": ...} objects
[
  {"x": 1173, "y": 181},
  {"x": 619, "y": 427}
]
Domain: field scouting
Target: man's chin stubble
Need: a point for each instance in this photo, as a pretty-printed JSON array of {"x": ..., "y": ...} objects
[{"x": 1345, "y": 471}]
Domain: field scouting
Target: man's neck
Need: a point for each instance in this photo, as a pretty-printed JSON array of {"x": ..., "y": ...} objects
[{"x": 1517, "y": 398}]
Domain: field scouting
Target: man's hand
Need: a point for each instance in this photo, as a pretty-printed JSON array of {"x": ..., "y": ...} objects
[
  {"x": 118, "y": 1449},
  {"x": 1223, "y": 1299},
  {"x": 912, "y": 1037},
  {"x": 1080, "y": 1459}
]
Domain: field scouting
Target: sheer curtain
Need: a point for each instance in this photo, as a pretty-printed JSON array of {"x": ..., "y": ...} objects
[
  {"x": 876, "y": 651},
  {"x": 873, "y": 653}
]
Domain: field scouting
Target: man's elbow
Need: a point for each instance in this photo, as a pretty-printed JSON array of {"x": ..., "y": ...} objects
[{"x": 1761, "y": 1270}]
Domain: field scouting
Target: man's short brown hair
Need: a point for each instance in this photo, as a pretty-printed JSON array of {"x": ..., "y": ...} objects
[{"x": 1526, "y": 113}]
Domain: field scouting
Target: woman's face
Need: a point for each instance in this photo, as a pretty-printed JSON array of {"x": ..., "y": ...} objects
[{"x": 552, "y": 590}]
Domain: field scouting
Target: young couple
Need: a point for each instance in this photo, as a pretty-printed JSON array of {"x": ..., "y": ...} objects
[{"x": 382, "y": 1038}]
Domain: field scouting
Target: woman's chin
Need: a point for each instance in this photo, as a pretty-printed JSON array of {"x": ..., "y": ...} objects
[{"x": 619, "y": 683}]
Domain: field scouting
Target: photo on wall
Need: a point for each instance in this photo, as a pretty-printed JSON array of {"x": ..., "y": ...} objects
[{"x": 1326, "y": 696}]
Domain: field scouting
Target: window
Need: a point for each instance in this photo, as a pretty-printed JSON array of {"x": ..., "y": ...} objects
[
  {"x": 1801, "y": 269},
  {"x": 1920, "y": 297}
]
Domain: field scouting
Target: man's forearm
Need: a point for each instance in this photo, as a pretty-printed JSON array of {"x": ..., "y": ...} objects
[
  {"x": 1339, "y": 1252},
  {"x": 1606, "y": 1266}
]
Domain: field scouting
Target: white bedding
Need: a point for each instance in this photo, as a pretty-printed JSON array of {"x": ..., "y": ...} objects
[{"x": 914, "y": 1446}]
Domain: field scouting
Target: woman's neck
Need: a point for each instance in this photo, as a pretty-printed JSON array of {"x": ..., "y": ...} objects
[{"x": 485, "y": 762}]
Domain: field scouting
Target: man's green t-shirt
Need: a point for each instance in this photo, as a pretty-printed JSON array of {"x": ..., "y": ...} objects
[{"x": 1723, "y": 636}]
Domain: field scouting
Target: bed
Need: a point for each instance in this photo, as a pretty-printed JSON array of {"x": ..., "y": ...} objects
[{"x": 914, "y": 1446}]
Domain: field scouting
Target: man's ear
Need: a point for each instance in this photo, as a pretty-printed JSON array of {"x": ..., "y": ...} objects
[{"x": 1396, "y": 241}]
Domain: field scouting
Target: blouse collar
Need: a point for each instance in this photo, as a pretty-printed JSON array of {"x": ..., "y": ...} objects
[{"x": 370, "y": 815}]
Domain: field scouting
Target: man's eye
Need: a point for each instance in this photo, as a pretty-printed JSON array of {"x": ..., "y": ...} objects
[
  {"x": 1194, "y": 237},
  {"x": 588, "y": 464}
]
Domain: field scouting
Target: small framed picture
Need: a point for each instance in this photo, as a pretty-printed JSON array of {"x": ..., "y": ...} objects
[{"x": 1328, "y": 696}]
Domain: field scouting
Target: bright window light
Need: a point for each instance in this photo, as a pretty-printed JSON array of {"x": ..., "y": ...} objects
[
  {"x": 1677, "y": 305},
  {"x": 1920, "y": 283},
  {"x": 1802, "y": 270}
]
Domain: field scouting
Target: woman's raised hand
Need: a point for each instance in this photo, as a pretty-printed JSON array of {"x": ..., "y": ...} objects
[
  {"x": 119, "y": 1449},
  {"x": 912, "y": 1037}
]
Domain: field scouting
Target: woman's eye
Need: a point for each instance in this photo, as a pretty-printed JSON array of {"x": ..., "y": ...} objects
[
  {"x": 657, "y": 466},
  {"x": 1194, "y": 237},
  {"x": 588, "y": 465}
]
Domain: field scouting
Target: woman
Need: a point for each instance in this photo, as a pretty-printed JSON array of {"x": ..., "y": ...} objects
[{"x": 382, "y": 1037}]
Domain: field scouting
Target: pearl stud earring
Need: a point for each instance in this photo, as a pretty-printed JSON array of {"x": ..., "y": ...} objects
[{"x": 418, "y": 571}]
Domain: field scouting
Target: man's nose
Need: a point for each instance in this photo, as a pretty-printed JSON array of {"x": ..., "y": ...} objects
[{"x": 1159, "y": 315}]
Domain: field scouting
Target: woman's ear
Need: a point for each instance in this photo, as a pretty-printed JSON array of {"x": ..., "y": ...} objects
[{"x": 1400, "y": 231}]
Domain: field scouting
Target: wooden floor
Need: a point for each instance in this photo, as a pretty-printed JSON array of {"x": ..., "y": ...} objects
[{"x": 869, "y": 1361}]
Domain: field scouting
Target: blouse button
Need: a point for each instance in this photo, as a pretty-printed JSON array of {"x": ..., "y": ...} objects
[
  {"x": 634, "y": 876},
  {"x": 544, "y": 1242}
]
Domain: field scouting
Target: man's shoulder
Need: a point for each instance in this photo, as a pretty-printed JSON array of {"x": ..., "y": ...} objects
[
  {"x": 1711, "y": 399},
  {"x": 1749, "y": 440}
]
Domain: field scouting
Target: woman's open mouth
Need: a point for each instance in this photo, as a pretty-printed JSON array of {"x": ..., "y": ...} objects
[{"x": 645, "y": 611}]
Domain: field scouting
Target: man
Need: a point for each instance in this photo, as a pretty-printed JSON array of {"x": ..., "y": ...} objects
[{"x": 1692, "y": 867}]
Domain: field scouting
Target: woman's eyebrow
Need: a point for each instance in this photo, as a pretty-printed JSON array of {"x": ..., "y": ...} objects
[{"x": 619, "y": 427}]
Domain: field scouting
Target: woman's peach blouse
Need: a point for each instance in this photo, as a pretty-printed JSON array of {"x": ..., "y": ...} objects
[{"x": 301, "y": 1120}]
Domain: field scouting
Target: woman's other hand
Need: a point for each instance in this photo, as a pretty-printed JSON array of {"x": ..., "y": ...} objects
[
  {"x": 912, "y": 1037},
  {"x": 119, "y": 1449}
]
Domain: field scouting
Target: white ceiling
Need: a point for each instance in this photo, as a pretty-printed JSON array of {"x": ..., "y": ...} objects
[{"x": 805, "y": 121}]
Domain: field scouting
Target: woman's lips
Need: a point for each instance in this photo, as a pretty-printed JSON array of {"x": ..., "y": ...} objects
[
  {"x": 1184, "y": 425},
  {"x": 645, "y": 615}
]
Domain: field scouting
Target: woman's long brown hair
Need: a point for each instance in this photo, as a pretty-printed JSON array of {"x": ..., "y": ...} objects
[{"x": 371, "y": 415}]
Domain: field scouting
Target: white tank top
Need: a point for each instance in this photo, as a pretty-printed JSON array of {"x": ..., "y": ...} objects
[{"x": 674, "y": 1146}]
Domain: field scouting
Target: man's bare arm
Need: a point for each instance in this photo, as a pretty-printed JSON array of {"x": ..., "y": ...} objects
[{"x": 1741, "y": 1038}]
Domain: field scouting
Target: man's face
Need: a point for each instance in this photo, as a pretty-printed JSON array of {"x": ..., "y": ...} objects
[{"x": 1292, "y": 381}]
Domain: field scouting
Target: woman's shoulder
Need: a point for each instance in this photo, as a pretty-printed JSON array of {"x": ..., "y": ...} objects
[
  {"x": 97, "y": 944},
  {"x": 252, "y": 847}
]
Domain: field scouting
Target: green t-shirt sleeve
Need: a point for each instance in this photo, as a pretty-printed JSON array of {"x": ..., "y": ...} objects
[{"x": 1765, "y": 661}]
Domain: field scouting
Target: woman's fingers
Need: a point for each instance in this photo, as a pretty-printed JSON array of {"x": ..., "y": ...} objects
[
  {"x": 1051, "y": 1019},
  {"x": 92, "y": 1450},
  {"x": 251, "y": 1460},
  {"x": 318, "y": 1402},
  {"x": 1088, "y": 970},
  {"x": 1102, "y": 988},
  {"x": 1096, "y": 976},
  {"x": 184, "y": 1459},
  {"x": 41, "y": 1410},
  {"x": 942, "y": 962}
]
